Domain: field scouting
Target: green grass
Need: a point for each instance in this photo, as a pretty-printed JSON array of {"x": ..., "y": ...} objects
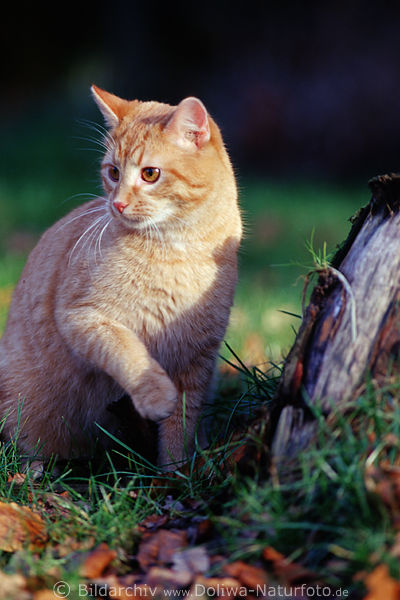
[
  {"x": 280, "y": 219},
  {"x": 320, "y": 510},
  {"x": 323, "y": 512}
]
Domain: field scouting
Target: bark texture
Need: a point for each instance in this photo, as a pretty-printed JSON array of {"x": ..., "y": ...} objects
[{"x": 351, "y": 327}]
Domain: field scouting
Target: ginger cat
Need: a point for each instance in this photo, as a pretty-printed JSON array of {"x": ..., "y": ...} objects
[{"x": 129, "y": 293}]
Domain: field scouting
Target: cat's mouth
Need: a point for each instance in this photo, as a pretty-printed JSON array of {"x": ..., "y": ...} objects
[{"x": 134, "y": 221}]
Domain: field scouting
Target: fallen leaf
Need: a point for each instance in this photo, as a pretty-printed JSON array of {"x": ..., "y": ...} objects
[
  {"x": 384, "y": 481},
  {"x": 18, "y": 479},
  {"x": 269, "y": 553},
  {"x": 290, "y": 572},
  {"x": 167, "y": 578},
  {"x": 97, "y": 561},
  {"x": 71, "y": 544},
  {"x": 193, "y": 560},
  {"x": 381, "y": 586},
  {"x": 13, "y": 587},
  {"x": 204, "y": 530},
  {"x": 44, "y": 595},
  {"x": 153, "y": 522},
  {"x": 60, "y": 506},
  {"x": 159, "y": 548},
  {"x": 19, "y": 525},
  {"x": 248, "y": 575}
]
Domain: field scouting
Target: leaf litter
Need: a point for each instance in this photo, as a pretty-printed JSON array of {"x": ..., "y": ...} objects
[
  {"x": 175, "y": 548},
  {"x": 173, "y": 553}
]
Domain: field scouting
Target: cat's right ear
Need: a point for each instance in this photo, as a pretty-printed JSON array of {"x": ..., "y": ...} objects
[
  {"x": 189, "y": 126},
  {"x": 111, "y": 107}
]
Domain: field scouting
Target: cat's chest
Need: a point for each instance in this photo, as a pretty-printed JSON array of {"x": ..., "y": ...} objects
[{"x": 150, "y": 296}]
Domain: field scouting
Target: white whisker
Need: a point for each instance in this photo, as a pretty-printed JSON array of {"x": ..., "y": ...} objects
[
  {"x": 101, "y": 143},
  {"x": 91, "y": 241},
  {"x": 99, "y": 238},
  {"x": 84, "y": 195},
  {"x": 100, "y": 129},
  {"x": 87, "y": 230},
  {"x": 87, "y": 195},
  {"x": 97, "y": 150},
  {"x": 105, "y": 141},
  {"x": 86, "y": 212}
]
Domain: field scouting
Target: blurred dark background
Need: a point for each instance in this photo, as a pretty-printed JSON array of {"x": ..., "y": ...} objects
[{"x": 299, "y": 88}]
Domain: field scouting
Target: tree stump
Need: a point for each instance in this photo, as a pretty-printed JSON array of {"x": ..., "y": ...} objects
[{"x": 351, "y": 327}]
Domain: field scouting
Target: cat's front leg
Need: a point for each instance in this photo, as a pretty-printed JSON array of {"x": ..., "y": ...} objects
[
  {"x": 183, "y": 430},
  {"x": 113, "y": 348}
]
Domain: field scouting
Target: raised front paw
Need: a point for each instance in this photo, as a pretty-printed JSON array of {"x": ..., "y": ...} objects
[{"x": 156, "y": 396}]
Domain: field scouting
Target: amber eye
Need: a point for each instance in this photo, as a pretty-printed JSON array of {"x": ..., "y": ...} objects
[
  {"x": 150, "y": 174},
  {"x": 113, "y": 173}
]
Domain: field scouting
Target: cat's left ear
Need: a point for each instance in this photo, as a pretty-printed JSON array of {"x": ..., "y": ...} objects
[
  {"x": 111, "y": 107},
  {"x": 189, "y": 124}
]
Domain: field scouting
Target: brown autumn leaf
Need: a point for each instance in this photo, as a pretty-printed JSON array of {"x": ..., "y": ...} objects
[
  {"x": 19, "y": 526},
  {"x": 97, "y": 561},
  {"x": 13, "y": 587},
  {"x": 61, "y": 507},
  {"x": 248, "y": 575},
  {"x": 163, "y": 578},
  {"x": 18, "y": 479},
  {"x": 70, "y": 544},
  {"x": 152, "y": 522},
  {"x": 44, "y": 595},
  {"x": 381, "y": 586},
  {"x": 269, "y": 553},
  {"x": 191, "y": 560},
  {"x": 384, "y": 481},
  {"x": 159, "y": 548},
  {"x": 204, "y": 530},
  {"x": 290, "y": 572}
]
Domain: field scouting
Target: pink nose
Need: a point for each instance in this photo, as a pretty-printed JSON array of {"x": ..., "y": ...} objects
[{"x": 120, "y": 206}]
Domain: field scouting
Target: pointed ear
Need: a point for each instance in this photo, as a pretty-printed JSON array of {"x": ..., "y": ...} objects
[
  {"x": 111, "y": 107},
  {"x": 189, "y": 124}
]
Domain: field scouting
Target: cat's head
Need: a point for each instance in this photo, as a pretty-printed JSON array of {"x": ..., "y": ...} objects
[{"x": 161, "y": 161}]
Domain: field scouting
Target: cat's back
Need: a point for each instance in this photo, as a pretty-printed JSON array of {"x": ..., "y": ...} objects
[{"x": 50, "y": 264}]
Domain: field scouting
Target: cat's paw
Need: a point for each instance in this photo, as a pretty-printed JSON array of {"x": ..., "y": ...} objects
[{"x": 156, "y": 397}]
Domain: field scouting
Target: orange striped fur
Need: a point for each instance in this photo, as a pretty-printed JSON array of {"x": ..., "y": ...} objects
[{"x": 129, "y": 293}]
